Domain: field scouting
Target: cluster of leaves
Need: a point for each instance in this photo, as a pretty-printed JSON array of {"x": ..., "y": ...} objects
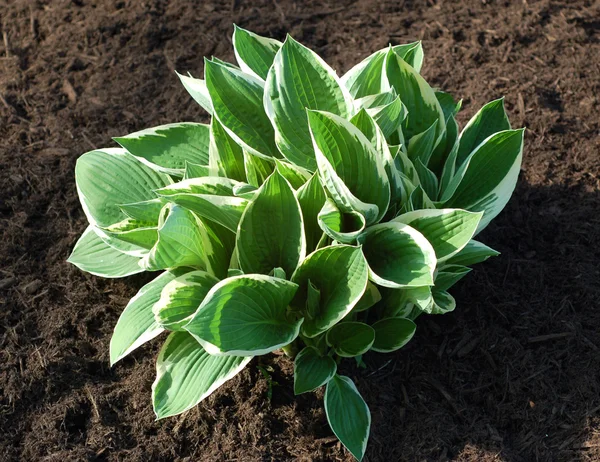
[{"x": 317, "y": 214}]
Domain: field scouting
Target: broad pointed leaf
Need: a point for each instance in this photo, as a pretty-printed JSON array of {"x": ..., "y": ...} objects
[
  {"x": 349, "y": 339},
  {"x": 340, "y": 274},
  {"x": 398, "y": 256},
  {"x": 197, "y": 90},
  {"x": 311, "y": 197},
  {"x": 295, "y": 175},
  {"x": 180, "y": 299},
  {"x": 474, "y": 252},
  {"x": 257, "y": 169},
  {"x": 349, "y": 166},
  {"x": 300, "y": 80},
  {"x": 92, "y": 255},
  {"x": 246, "y": 315},
  {"x": 186, "y": 374},
  {"x": 391, "y": 334},
  {"x": 271, "y": 232},
  {"x": 348, "y": 414},
  {"x": 237, "y": 101},
  {"x": 448, "y": 275},
  {"x": 447, "y": 230},
  {"x": 226, "y": 156},
  {"x": 254, "y": 54},
  {"x": 167, "y": 147},
  {"x": 110, "y": 177},
  {"x": 311, "y": 370}
]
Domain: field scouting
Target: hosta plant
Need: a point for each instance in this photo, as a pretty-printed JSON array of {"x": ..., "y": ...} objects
[{"x": 315, "y": 214}]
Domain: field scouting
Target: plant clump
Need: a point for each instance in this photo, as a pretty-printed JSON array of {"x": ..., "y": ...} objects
[{"x": 315, "y": 214}]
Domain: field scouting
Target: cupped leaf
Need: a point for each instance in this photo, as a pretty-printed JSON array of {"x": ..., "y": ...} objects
[
  {"x": 136, "y": 325},
  {"x": 349, "y": 339},
  {"x": 186, "y": 374},
  {"x": 389, "y": 117},
  {"x": 340, "y": 226},
  {"x": 398, "y": 255},
  {"x": 311, "y": 197},
  {"x": 391, "y": 334},
  {"x": 226, "y": 157},
  {"x": 133, "y": 240},
  {"x": 144, "y": 211},
  {"x": 311, "y": 370},
  {"x": 349, "y": 166},
  {"x": 92, "y": 255},
  {"x": 340, "y": 274},
  {"x": 300, "y": 80},
  {"x": 474, "y": 252},
  {"x": 448, "y": 275},
  {"x": 246, "y": 315},
  {"x": 254, "y": 54},
  {"x": 181, "y": 297},
  {"x": 416, "y": 94},
  {"x": 348, "y": 414},
  {"x": 271, "y": 231},
  {"x": 237, "y": 101},
  {"x": 490, "y": 119},
  {"x": 110, "y": 177},
  {"x": 179, "y": 241},
  {"x": 167, "y": 147},
  {"x": 487, "y": 178},
  {"x": 197, "y": 90},
  {"x": 447, "y": 230},
  {"x": 443, "y": 302}
]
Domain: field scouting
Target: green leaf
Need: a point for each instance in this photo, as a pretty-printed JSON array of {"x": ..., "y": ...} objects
[
  {"x": 166, "y": 148},
  {"x": 311, "y": 370},
  {"x": 348, "y": 414},
  {"x": 416, "y": 94},
  {"x": 427, "y": 179},
  {"x": 443, "y": 302},
  {"x": 300, "y": 80},
  {"x": 398, "y": 256},
  {"x": 186, "y": 374},
  {"x": 197, "y": 90},
  {"x": 446, "y": 161},
  {"x": 180, "y": 299},
  {"x": 254, "y": 54},
  {"x": 349, "y": 167},
  {"x": 237, "y": 101},
  {"x": 179, "y": 241},
  {"x": 271, "y": 232},
  {"x": 450, "y": 107},
  {"x": 368, "y": 78},
  {"x": 246, "y": 315},
  {"x": 196, "y": 171},
  {"x": 257, "y": 169},
  {"x": 488, "y": 176},
  {"x": 295, "y": 175},
  {"x": 490, "y": 119},
  {"x": 92, "y": 255},
  {"x": 474, "y": 252},
  {"x": 421, "y": 145},
  {"x": 311, "y": 197},
  {"x": 110, "y": 177},
  {"x": 449, "y": 275},
  {"x": 391, "y": 334},
  {"x": 389, "y": 117},
  {"x": 349, "y": 339},
  {"x": 136, "y": 325},
  {"x": 447, "y": 230},
  {"x": 340, "y": 226},
  {"x": 226, "y": 156},
  {"x": 394, "y": 303},
  {"x": 214, "y": 185},
  {"x": 376, "y": 100},
  {"x": 369, "y": 298},
  {"x": 366, "y": 124},
  {"x": 135, "y": 241},
  {"x": 340, "y": 274},
  {"x": 144, "y": 211}
]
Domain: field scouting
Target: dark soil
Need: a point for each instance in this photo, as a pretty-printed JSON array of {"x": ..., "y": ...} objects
[{"x": 512, "y": 375}]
